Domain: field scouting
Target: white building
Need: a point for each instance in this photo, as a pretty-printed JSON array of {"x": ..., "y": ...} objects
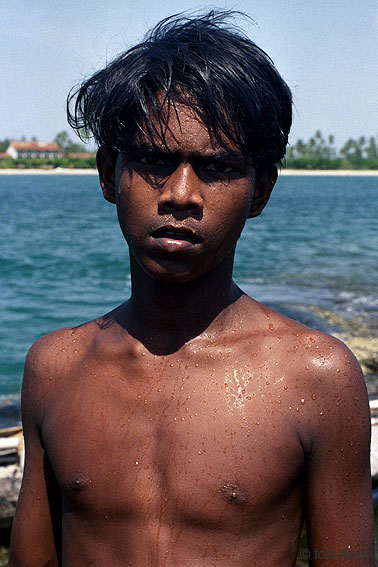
[{"x": 18, "y": 150}]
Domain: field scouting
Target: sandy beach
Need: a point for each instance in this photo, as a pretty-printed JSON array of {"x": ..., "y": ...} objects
[{"x": 304, "y": 172}]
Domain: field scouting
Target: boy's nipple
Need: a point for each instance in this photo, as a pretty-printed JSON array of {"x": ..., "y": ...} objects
[
  {"x": 79, "y": 482},
  {"x": 234, "y": 494}
]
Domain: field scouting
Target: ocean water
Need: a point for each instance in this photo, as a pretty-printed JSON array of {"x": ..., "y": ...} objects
[{"x": 63, "y": 259}]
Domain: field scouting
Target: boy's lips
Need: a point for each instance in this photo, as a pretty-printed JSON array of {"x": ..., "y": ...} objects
[{"x": 175, "y": 238}]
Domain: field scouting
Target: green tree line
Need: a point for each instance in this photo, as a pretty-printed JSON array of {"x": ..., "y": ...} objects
[{"x": 320, "y": 153}]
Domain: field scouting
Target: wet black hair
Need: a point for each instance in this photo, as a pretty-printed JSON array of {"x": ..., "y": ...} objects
[{"x": 204, "y": 62}]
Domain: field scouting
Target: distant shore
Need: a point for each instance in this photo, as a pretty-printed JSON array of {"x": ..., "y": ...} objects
[
  {"x": 56, "y": 171},
  {"x": 332, "y": 172},
  {"x": 305, "y": 172}
]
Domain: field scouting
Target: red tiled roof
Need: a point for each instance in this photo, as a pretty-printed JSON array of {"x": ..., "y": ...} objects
[
  {"x": 36, "y": 146},
  {"x": 4, "y": 155},
  {"x": 81, "y": 155}
]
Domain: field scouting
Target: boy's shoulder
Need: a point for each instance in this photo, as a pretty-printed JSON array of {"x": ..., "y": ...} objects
[
  {"x": 318, "y": 378},
  {"x": 56, "y": 346},
  {"x": 56, "y": 353},
  {"x": 319, "y": 358}
]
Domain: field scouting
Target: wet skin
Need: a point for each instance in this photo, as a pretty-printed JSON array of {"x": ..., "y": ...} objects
[{"x": 192, "y": 426}]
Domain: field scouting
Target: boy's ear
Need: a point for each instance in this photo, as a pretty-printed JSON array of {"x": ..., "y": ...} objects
[
  {"x": 106, "y": 162},
  {"x": 265, "y": 181}
]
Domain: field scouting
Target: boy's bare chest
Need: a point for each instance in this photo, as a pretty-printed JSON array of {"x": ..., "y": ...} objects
[{"x": 201, "y": 442}]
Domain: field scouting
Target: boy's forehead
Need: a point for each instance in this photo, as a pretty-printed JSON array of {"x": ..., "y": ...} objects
[{"x": 179, "y": 127}]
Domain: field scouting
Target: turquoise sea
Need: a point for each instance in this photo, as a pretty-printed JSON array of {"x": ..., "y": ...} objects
[{"x": 63, "y": 259}]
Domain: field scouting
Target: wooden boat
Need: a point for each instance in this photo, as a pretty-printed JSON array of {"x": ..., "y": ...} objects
[
  {"x": 11, "y": 467},
  {"x": 374, "y": 439}
]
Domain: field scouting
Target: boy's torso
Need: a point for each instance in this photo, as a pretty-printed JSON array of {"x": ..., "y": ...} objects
[{"x": 192, "y": 458}]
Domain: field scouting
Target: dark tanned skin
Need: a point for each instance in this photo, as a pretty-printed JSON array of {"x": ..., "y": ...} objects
[{"x": 192, "y": 426}]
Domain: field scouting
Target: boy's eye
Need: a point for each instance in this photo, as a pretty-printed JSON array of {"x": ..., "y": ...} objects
[
  {"x": 219, "y": 168},
  {"x": 154, "y": 160},
  {"x": 222, "y": 168}
]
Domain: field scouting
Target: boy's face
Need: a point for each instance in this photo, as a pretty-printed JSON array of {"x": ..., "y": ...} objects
[{"x": 182, "y": 207}]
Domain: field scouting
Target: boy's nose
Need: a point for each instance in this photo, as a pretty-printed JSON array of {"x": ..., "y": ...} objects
[{"x": 182, "y": 190}]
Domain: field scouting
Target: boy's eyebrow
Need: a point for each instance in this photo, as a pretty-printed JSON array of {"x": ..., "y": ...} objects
[
  {"x": 221, "y": 154},
  {"x": 143, "y": 147}
]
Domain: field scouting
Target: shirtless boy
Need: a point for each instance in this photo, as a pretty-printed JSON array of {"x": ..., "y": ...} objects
[{"x": 191, "y": 426}]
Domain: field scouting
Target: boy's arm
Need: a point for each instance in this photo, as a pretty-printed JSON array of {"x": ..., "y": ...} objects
[
  {"x": 339, "y": 512},
  {"x": 36, "y": 533}
]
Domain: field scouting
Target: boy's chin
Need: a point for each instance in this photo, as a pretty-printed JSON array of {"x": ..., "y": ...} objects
[{"x": 172, "y": 272}]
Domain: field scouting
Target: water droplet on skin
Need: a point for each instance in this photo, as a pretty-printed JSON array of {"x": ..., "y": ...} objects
[
  {"x": 248, "y": 397},
  {"x": 271, "y": 326},
  {"x": 313, "y": 397},
  {"x": 105, "y": 517},
  {"x": 182, "y": 418},
  {"x": 137, "y": 463},
  {"x": 321, "y": 413},
  {"x": 303, "y": 401},
  {"x": 285, "y": 387},
  {"x": 200, "y": 452},
  {"x": 158, "y": 390},
  {"x": 145, "y": 402}
]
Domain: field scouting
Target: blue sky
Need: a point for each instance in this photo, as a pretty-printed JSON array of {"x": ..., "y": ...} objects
[{"x": 327, "y": 51}]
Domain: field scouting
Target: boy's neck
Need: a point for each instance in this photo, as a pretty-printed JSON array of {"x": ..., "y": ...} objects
[{"x": 164, "y": 315}]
